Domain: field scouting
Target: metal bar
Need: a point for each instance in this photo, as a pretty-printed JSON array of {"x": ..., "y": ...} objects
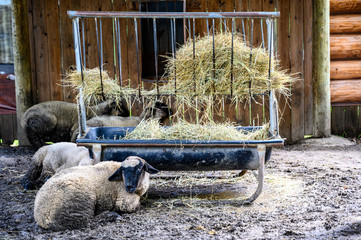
[
  {"x": 214, "y": 54},
  {"x": 233, "y": 26},
  {"x": 189, "y": 29},
  {"x": 194, "y": 55},
  {"x": 250, "y": 57},
  {"x": 207, "y": 145},
  {"x": 99, "y": 57},
  {"x": 155, "y": 53},
  {"x": 207, "y": 27},
  {"x": 83, "y": 35},
  {"x": 76, "y": 45},
  {"x": 272, "y": 99},
  {"x": 175, "y": 54},
  {"x": 137, "y": 50},
  {"x": 261, "y": 149},
  {"x": 101, "y": 43},
  {"x": 243, "y": 31},
  {"x": 82, "y": 114},
  {"x": 107, "y": 14},
  {"x": 263, "y": 45}
]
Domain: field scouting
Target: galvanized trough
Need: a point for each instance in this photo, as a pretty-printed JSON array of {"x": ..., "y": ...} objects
[{"x": 106, "y": 143}]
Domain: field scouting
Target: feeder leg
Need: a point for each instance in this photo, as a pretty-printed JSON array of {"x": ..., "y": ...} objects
[
  {"x": 261, "y": 159},
  {"x": 97, "y": 152}
]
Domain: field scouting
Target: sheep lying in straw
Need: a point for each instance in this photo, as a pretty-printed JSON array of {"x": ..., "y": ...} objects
[
  {"x": 73, "y": 196},
  {"x": 51, "y": 159},
  {"x": 52, "y": 121},
  {"x": 159, "y": 111}
]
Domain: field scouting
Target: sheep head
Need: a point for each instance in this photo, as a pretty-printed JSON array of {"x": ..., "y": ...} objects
[
  {"x": 159, "y": 111},
  {"x": 132, "y": 172},
  {"x": 114, "y": 108}
]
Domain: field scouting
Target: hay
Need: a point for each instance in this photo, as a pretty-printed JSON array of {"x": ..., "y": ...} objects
[
  {"x": 92, "y": 91},
  {"x": 182, "y": 130},
  {"x": 199, "y": 77}
]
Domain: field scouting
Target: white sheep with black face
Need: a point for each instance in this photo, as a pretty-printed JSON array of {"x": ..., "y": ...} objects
[
  {"x": 72, "y": 197},
  {"x": 53, "y": 158}
]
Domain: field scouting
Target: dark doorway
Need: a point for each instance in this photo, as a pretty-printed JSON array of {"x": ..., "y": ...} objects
[{"x": 164, "y": 44}]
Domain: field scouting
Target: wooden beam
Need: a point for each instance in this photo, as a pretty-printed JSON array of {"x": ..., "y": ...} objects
[
  {"x": 350, "y": 69},
  {"x": 345, "y": 47},
  {"x": 345, "y": 91},
  {"x": 345, "y": 6},
  {"x": 22, "y": 62},
  {"x": 321, "y": 68},
  {"x": 345, "y": 24}
]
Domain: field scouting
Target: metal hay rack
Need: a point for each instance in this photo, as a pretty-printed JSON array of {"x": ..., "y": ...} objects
[{"x": 175, "y": 155}]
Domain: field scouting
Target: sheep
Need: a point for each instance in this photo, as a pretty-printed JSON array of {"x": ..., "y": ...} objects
[
  {"x": 52, "y": 121},
  {"x": 51, "y": 159},
  {"x": 158, "y": 111},
  {"x": 72, "y": 197}
]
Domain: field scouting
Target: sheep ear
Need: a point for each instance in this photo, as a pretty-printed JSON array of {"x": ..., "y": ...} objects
[
  {"x": 148, "y": 168},
  {"x": 117, "y": 176}
]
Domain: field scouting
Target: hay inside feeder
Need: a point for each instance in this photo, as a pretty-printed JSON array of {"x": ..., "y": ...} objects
[
  {"x": 202, "y": 75},
  {"x": 182, "y": 130}
]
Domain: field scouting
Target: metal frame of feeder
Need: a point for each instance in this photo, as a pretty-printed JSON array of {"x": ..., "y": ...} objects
[{"x": 101, "y": 149}]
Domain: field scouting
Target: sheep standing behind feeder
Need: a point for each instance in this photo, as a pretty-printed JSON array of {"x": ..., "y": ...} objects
[
  {"x": 53, "y": 121},
  {"x": 158, "y": 111},
  {"x": 72, "y": 197},
  {"x": 51, "y": 159}
]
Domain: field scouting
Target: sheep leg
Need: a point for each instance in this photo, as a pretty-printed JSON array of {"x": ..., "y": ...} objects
[{"x": 128, "y": 203}]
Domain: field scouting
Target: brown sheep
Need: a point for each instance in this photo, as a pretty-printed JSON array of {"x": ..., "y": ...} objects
[{"x": 53, "y": 121}]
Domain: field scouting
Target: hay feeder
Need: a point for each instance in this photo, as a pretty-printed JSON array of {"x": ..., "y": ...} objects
[{"x": 106, "y": 143}]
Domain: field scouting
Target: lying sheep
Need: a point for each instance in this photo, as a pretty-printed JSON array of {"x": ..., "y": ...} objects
[
  {"x": 72, "y": 197},
  {"x": 51, "y": 159},
  {"x": 52, "y": 121},
  {"x": 158, "y": 111}
]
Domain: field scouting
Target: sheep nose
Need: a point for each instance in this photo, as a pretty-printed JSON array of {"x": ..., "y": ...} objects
[{"x": 130, "y": 189}]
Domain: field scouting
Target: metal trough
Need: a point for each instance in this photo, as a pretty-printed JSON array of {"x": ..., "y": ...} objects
[{"x": 106, "y": 143}]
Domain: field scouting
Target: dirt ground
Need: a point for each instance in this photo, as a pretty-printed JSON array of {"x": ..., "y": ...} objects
[{"x": 312, "y": 191}]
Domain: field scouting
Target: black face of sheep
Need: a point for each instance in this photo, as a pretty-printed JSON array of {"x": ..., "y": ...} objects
[
  {"x": 131, "y": 172},
  {"x": 159, "y": 110}
]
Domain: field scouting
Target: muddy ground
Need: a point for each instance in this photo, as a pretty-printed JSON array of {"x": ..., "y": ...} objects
[{"x": 312, "y": 191}]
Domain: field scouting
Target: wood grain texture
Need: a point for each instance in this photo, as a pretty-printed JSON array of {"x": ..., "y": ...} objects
[
  {"x": 296, "y": 59},
  {"x": 53, "y": 38},
  {"x": 41, "y": 51},
  {"x": 321, "y": 69},
  {"x": 345, "y": 47},
  {"x": 307, "y": 67},
  {"x": 338, "y": 120},
  {"x": 345, "y": 6},
  {"x": 345, "y": 69},
  {"x": 345, "y": 91},
  {"x": 8, "y": 128},
  {"x": 283, "y": 46},
  {"x": 345, "y": 24}
]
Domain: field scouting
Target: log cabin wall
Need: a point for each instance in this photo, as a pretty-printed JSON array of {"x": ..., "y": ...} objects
[
  {"x": 345, "y": 51},
  {"x": 52, "y": 51}
]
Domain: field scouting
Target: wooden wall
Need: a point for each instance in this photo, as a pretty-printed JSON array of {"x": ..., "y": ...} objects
[
  {"x": 52, "y": 50},
  {"x": 345, "y": 51}
]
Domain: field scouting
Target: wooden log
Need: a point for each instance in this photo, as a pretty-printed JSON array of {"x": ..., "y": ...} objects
[
  {"x": 345, "y": 69},
  {"x": 345, "y": 47},
  {"x": 22, "y": 62},
  {"x": 345, "y": 6},
  {"x": 345, "y": 24},
  {"x": 307, "y": 67},
  {"x": 345, "y": 91},
  {"x": 321, "y": 68}
]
